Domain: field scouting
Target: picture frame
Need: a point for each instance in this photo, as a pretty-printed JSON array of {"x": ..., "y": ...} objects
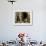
[{"x": 23, "y": 17}]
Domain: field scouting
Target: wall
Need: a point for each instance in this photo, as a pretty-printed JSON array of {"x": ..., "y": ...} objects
[{"x": 9, "y": 31}]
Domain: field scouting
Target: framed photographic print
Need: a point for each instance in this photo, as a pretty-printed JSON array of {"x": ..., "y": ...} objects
[{"x": 23, "y": 17}]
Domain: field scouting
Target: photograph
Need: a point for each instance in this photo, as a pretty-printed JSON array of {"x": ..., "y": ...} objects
[{"x": 23, "y": 18}]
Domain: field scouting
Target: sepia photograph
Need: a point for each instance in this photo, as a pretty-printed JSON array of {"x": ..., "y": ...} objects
[{"x": 23, "y": 18}]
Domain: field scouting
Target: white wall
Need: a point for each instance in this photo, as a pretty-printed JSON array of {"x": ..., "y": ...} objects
[{"x": 9, "y": 31}]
